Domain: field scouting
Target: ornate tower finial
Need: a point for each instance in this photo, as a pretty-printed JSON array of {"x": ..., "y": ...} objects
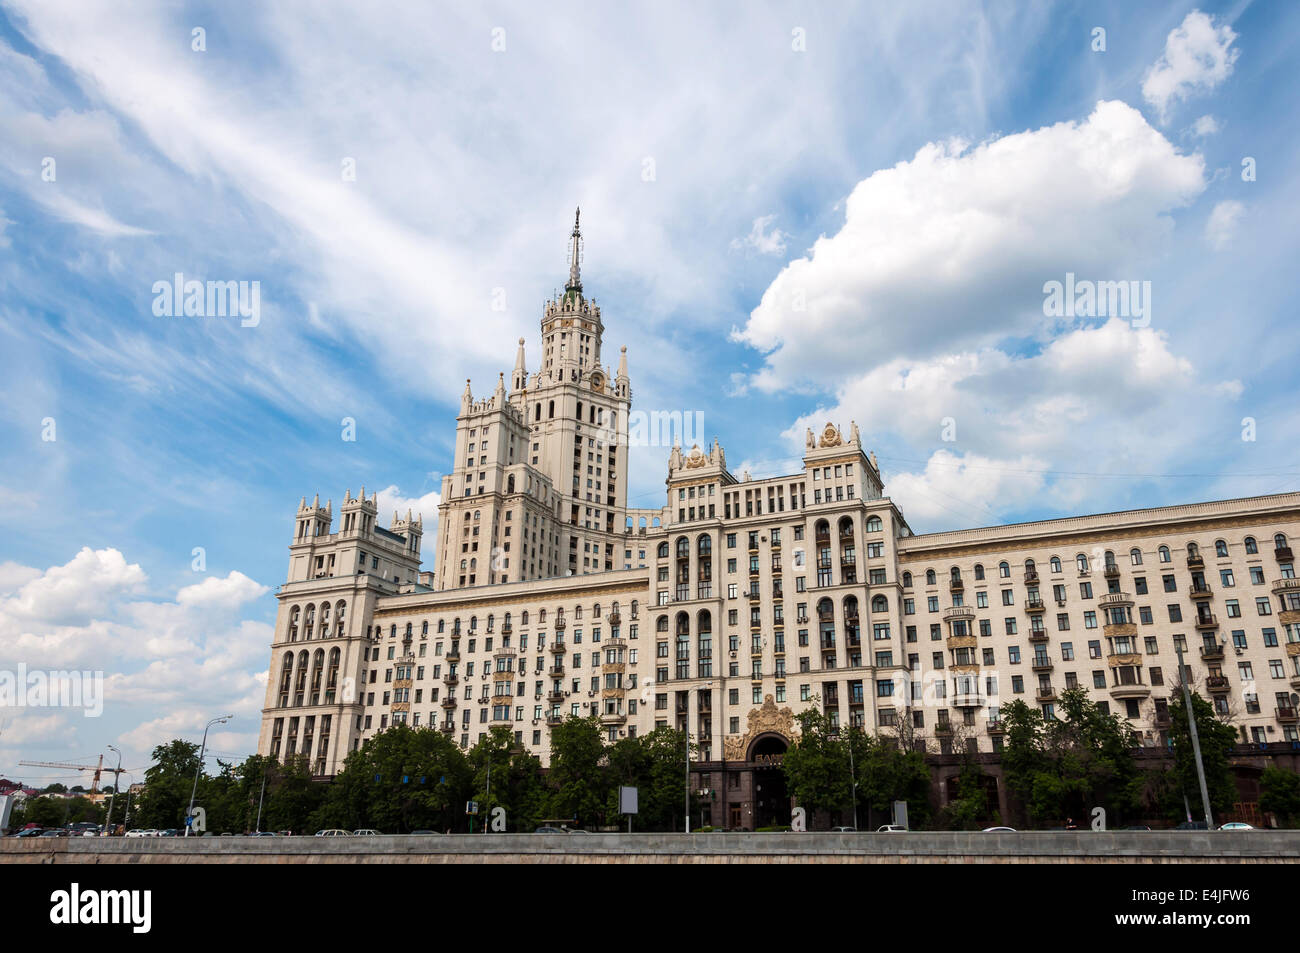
[{"x": 575, "y": 255}]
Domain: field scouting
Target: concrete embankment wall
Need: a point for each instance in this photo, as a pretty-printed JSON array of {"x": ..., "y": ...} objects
[{"x": 1081, "y": 847}]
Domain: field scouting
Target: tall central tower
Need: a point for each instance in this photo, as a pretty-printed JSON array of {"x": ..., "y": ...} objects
[{"x": 539, "y": 487}]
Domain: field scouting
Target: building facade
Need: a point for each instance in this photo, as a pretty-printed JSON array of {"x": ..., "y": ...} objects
[{"x": 741, "y": 602}]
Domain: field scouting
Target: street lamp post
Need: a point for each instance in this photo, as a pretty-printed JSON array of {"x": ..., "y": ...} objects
[
  {"x": 687, "y": 735},
  {"x": 117, "y": 780},
  {"x": 189, "y": 814},
  {"x": 853, "y": 775}
]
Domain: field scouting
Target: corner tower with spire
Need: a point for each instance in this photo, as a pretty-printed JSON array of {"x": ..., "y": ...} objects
[{"x": 539, "y": 486}]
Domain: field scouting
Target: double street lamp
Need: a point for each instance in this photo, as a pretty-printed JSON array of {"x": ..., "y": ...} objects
[
  {"x": 189, "y": 814},
  {"x": 853, "y": 774},
  {"x": 117, "y": 779}
]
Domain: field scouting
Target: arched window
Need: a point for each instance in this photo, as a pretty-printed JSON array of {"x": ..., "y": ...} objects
[
  {"x": 930, "y": 577},
  {"x": 879, "y": 604},
  {"x": 1193, "y": 551},
  {"x": 1081, "y": 560},
  {"x": 310, "y": 624},
  {"x": 318, "y": 664},
  {"x": 491, "y": 620},
  {"x": 825, "y": 609},
  {"x": 577, "y": 613},
  {"x": 663, "y": 550},
  {"x": 332, "y": 676},
  {"x": 661, "y": 624},
  {"x": 523, "y": 617},
  {"x": 822, "y": 530},
  {"x": 550, "y": 410},
  {"x": 636, "y": 604},
  {"x": 294, "y": 614},
  {"x": 874, "y": 525},
  {"x": 907, "y": 580},
  {"x": 579, "y": 414},
  {"x": 1004, "y": 569},
  {"x": 1163, "y": 552},
  {"x": 286, "y": 679},
  {"x": 339, "y": 607},
  {"x": 705, "y": 546},
  {"x": 541, "y": 617},
  {"x": 1220, "y": 547},
  {"x": 1279, "y": 541},
  {"x": 954, "y": 574},
  {"x": 1135, "y": 556},
  {"x": 510, "y": 483},
  {"x": 979, "y": 572},
  {"x": 595, "y": 611},
  {"x": 1031, "y": 569},
  {"x": 683, "y": 547},
  {"x": 1055, "y": 563},
  {"x": 846, "y": 527},
  {"x": 1251, "y": 547}
]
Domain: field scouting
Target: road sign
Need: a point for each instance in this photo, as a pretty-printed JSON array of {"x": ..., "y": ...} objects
[
  {"x": 471, "y": 807},
  {"x": 627, "y": 800}
]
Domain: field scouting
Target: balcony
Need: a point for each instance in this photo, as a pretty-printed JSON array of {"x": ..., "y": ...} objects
[
  {"x": 451, "y": 680},
  {"x": 449, "y": 702},
  {"x": 1037, "y": 635},
  {"x": 615, "y": 618},
  {"x": 1031, "y": 576},
  {"x": 1045, "y": 693},
  {"x": 507, "y": 628},
  {"x": 1216, "y": 683},
  {"x": 968, "y": 700},
  {"x": 1206, "y": 621},
  {"x": 1195, "y": 561},
  {"x": 453, "y": 653},
  {"x": 1282, "y": 554},
  {"x": 1200, "y": 591},
  {"x": 1287, "y": 716},
  {"x": 1130, "y": 690},
  {"x": 555, "y": 671},
  {"x": 553, "y": 719},
  {"x": 557, "y": 648},
  {"x": 962, "y": 642},
  {"x": 1163, "y": 719},
  {"x": 996, "y": 728},
  {"x": 560, "y": 624},
  {"x": 448, "y": 727},
  {"x": 555, "y": 697},
  {"x": 1040, "y": 663},
  {"x": 958, "y": 613},
  {"x": 1116, "y": 599},
  {"x": 613, "y": 718},
  {"x": 956, "y": 585},
  {"x": 1123, "y": 659},
  {"x": 943, "y": 728},
  {"x": 1035, "y": 606},
  {"x": 1111, "y": 571},
  {"x": 1212, "y": 653}
]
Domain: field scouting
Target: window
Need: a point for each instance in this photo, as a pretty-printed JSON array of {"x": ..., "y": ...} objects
[
  {"x": 1251, "y": 547},
  {"x": 1135, "y": 556}
]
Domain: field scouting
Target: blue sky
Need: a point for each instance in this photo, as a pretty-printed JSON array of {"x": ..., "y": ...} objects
[{"x": 792, "y": 214}]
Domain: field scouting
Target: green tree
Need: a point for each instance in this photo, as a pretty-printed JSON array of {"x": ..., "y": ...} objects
[
  {"x": 579, "y": 785},
  {"x": 1062, "y": 767},
  {"x": 654, "y": 764},
  {"x": 515, "y": 777},
  {"x": 168, "y": 783},
  {"x": 400, "y": 780},
  {"x": 817, "y": 765},
  {"x": 890, "y": 770},
  {"x": 1217, "y": 739},
  {"x": 1279, "y": 794},
  {"x": 291, "y": 796}
]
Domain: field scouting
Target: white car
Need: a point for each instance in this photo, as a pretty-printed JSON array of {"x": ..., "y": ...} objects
[
  {"x": 334, "y": 832},
  {"x": 365, "y": 832},
  {"x": 891, "y": 829}
]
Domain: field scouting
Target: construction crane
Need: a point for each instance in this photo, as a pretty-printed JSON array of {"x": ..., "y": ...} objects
[{"x": 97, "y": 768}]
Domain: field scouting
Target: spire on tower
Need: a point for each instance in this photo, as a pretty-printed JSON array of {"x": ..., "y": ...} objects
[{"x": 575, "y": 255}]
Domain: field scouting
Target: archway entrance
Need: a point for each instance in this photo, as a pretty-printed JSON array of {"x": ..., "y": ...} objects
[{"x": 771, "y": 798}]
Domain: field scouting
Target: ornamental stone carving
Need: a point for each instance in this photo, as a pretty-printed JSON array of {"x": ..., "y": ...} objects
[
  {"x": 767, "y": 718},
  {"x": 696, "y": 459},
  {"x": 831, "y": 436}
]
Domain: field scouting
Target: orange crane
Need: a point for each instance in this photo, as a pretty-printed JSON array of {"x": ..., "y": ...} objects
[{"x": 97, "y": 768}]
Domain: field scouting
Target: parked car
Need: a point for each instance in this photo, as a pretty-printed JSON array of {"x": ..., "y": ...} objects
[
  {"x": 365, "y": 832},
  {"x": 891, "y": 829},
  {"x": 30, "y": 832},
  {"x": 424, "y": 832},
  {"x": 333, "y": 832},
  {"x": 842, "y": 829},
  {"x": 54, "y": 832},
  {"x": 263, "y": 834},
  {"x": 549, "y": 830},
  {"x": 999, "y": 830},
  {"x": 1236, "y": 826},
  {"x": 1137, "y": 827}
]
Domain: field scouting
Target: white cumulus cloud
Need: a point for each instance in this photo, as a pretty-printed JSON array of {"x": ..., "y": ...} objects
[{"x": 1198, "y": 57}]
